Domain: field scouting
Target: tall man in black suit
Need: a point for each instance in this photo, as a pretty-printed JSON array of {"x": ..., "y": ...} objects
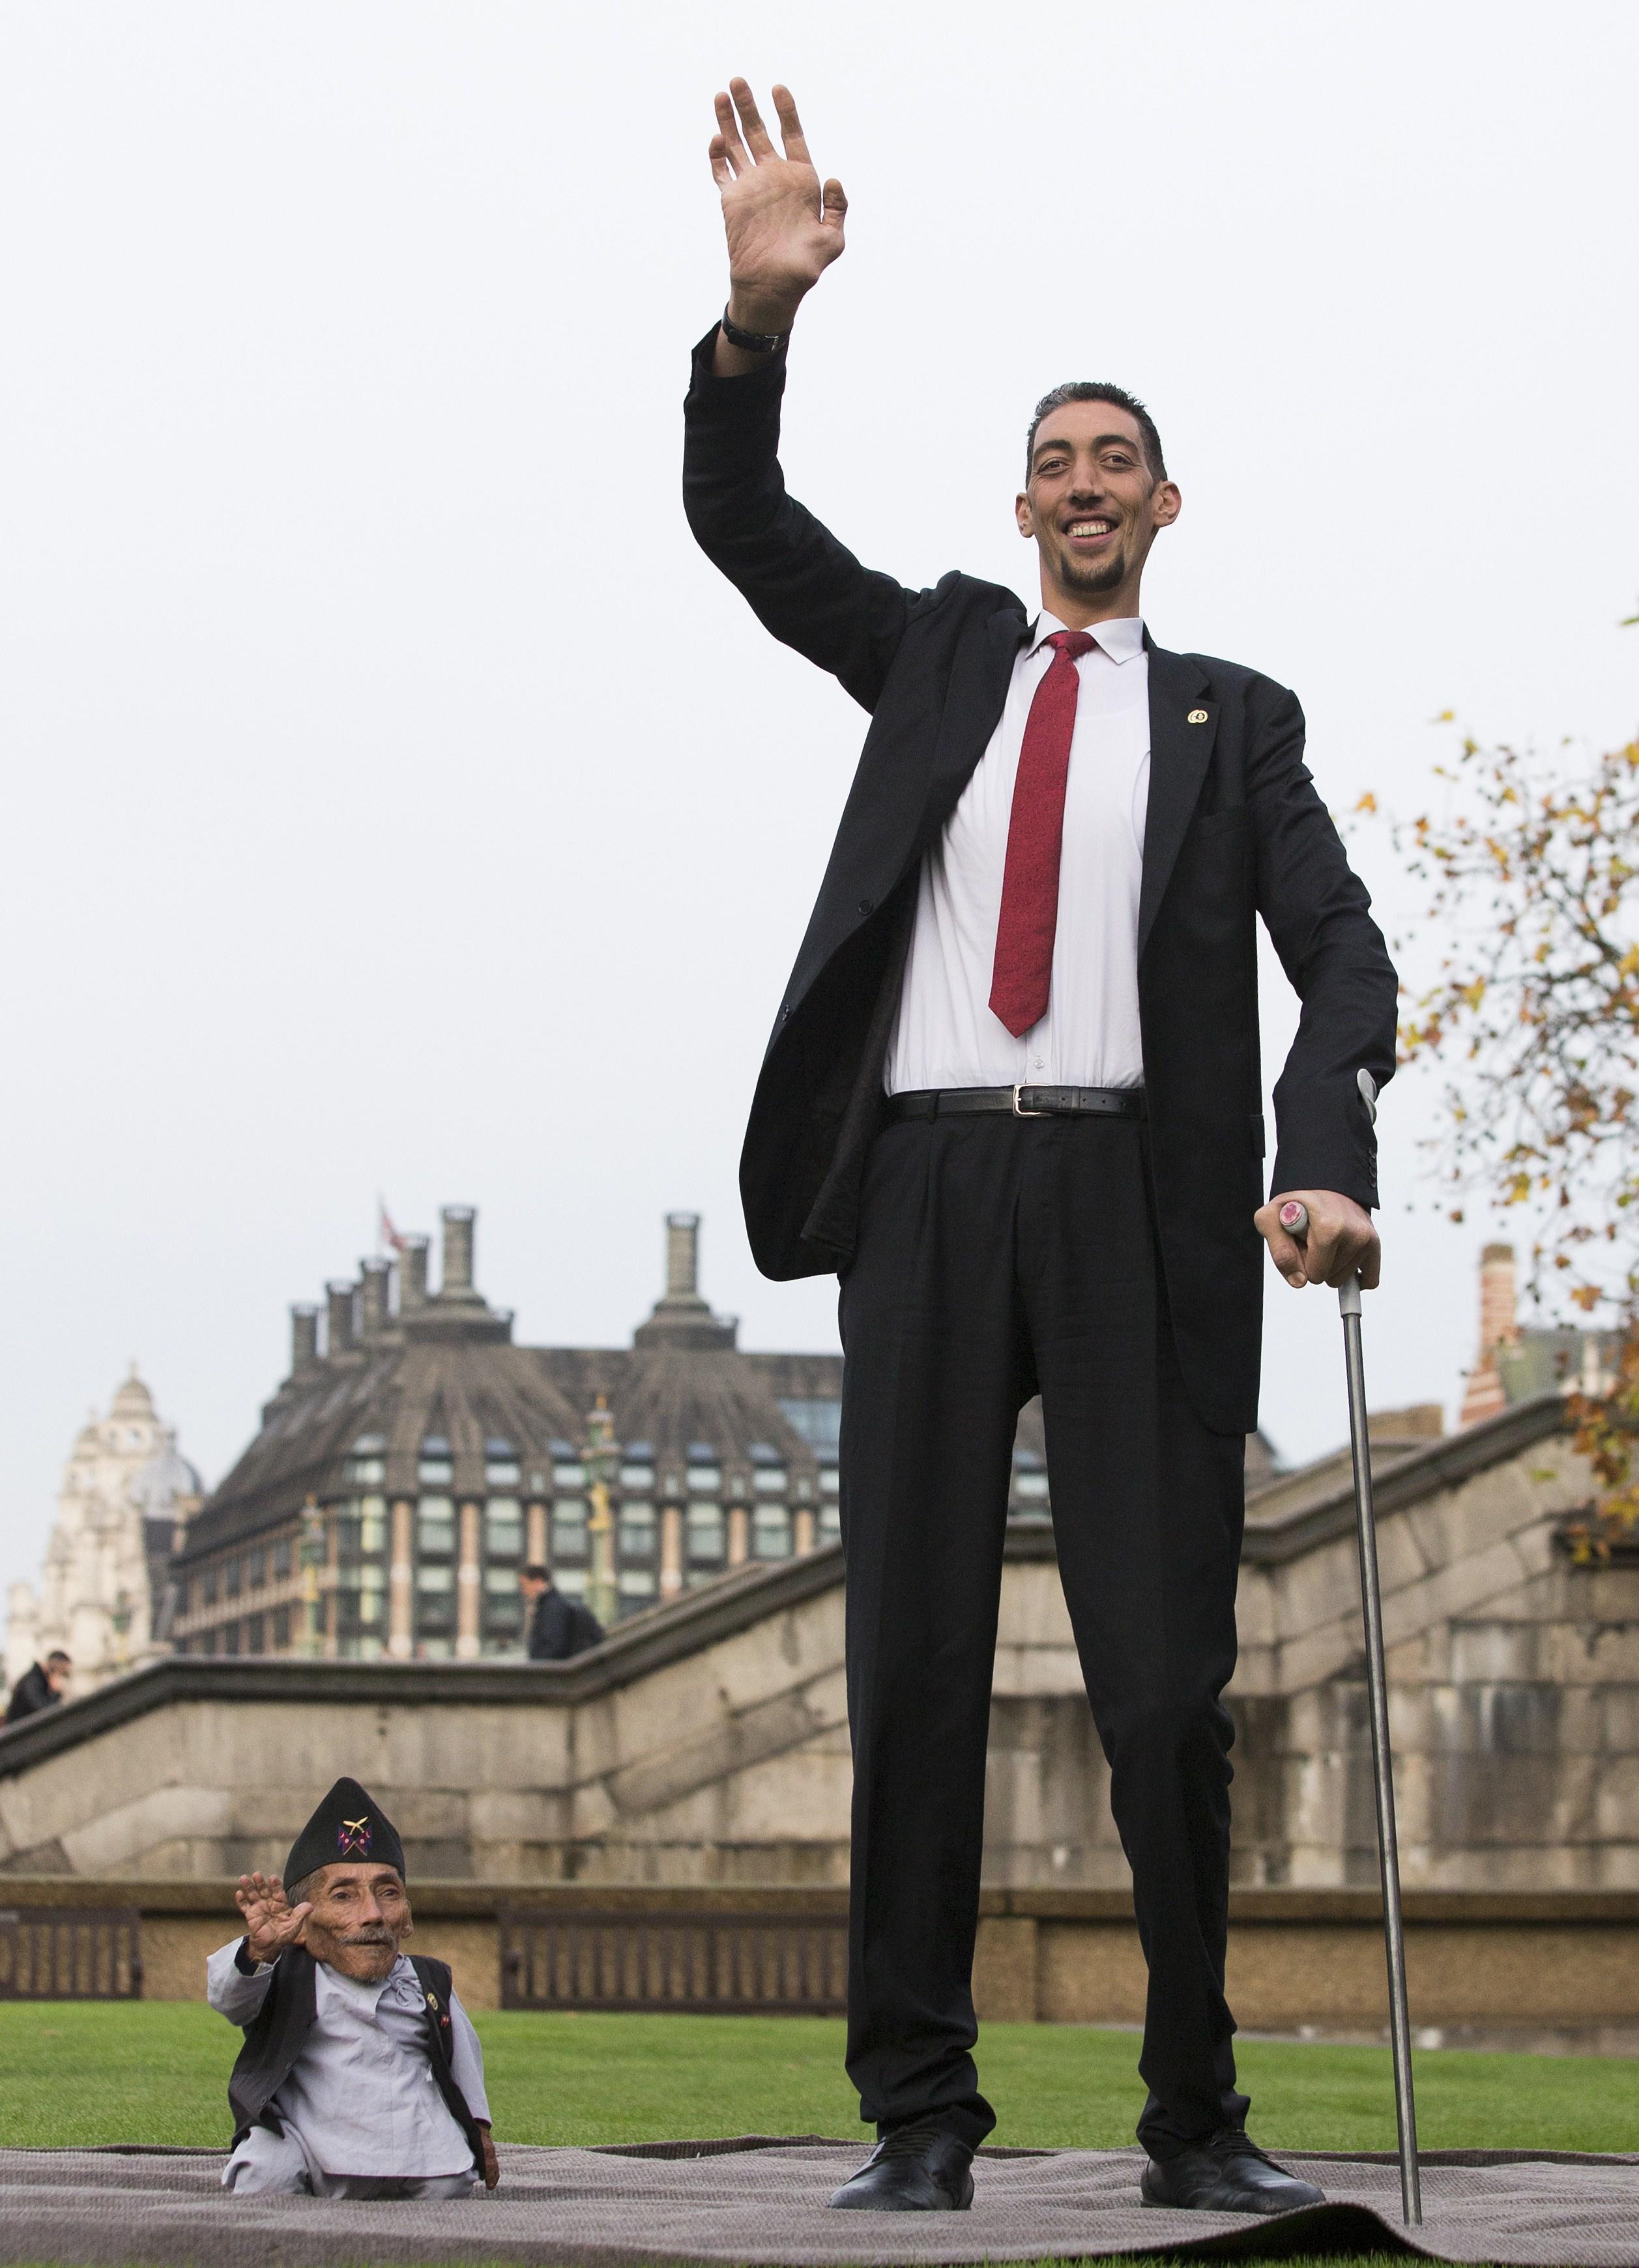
[{"x": 1012, "y": 1097}]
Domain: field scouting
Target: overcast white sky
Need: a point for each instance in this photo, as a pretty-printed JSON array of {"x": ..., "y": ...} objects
[{"x": 396, "y": 800}]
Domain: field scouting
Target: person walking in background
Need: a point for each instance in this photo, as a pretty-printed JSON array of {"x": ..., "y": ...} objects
[
  {"x": 1013, "y": 1099},
  {"x": 555, "y": 1627},
  {"x": 39, "y": 1687}
]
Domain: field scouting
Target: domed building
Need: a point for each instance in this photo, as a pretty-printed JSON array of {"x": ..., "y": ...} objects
[{"x": 105, "y": 1594}]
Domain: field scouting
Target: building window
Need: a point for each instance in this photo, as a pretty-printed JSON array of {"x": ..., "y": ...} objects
[
  {"x": 372, "y": 1526},
  {"x": 828, "y": 1525},
  {"x": 435, "y": 1525},
  {"x": 281, "y": 1630},
  {"x": 282, "y": 1560},
  {"x": 256, "y": 1574},
  {"x": 770, "y": 1532},
  {"x": 503, "y": 1528},
  {"x": 347, "y": 1537},
  {"x": 435, "y": 1600},
  {"x": 205, "y": 1589},
  {"x": 255, "y": 1633},
  {"x": 638, "y": 1531},
  {"x": 231, "y": 1635},
  {"x": 569, "y": 1473},
  {"x": 1029, "y": 1483},
  {"x": 636, "y": 1589},
  {"x": 769, "y": 1480},
  {"x": 830, "y": 1480},
  {"x": 232, "y": 1576},
  {"x": 435, "y": 1468},
  {"x": 707, "y": 1540},
  {"x": 636, "y": 1471},
  {"x": 569, "y": 1530},
  {"x": 500, "y": 1464},
  {"x": 817, "y": 1420},
  {"x": 372, "y": 1597},
  {"x": 503, "y": 1605},
  {"x": 705, "y": 1477}
]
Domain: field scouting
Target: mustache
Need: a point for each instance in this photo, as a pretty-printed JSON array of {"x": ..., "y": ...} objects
[{"x": 369, "y": 1933}]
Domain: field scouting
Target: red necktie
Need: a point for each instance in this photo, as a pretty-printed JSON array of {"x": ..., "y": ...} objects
[{"x": 1021, "y": 975}]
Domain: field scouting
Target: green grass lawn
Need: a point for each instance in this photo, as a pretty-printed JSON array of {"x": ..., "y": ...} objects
[{"x": 157, "y": 2072}]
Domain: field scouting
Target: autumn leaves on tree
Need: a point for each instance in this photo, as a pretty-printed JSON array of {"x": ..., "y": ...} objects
[{"x": 1533, "y": 897}]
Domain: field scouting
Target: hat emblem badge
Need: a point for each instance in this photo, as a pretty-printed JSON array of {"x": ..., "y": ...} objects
[{"x": 352, "y": 1838}]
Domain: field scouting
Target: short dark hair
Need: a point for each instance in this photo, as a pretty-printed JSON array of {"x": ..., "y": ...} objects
[
  {"x": 1086, "y": 389},
  {"x": 57, "y": 1654},
  {"x": 536, "y": 1574}
]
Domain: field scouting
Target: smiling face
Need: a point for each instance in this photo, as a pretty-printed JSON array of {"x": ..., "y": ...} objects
[
  {"x": 1094, "y": 505},
  {"x": 360, "y": 1917}
]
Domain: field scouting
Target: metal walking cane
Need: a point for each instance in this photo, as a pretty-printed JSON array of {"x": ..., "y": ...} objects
[{"x": 1294, "y": 1220}]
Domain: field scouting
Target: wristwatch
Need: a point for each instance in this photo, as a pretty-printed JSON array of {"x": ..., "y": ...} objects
[{"x": 763, "y": 342}]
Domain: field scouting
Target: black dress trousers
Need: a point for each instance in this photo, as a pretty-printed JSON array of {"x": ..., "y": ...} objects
[{"x": 998, "y": 1258}]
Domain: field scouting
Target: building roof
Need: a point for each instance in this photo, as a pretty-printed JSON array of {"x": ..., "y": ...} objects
[{"x": 437, "y": 1374}]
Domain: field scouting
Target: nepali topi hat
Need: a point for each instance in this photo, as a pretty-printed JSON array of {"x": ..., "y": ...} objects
[{"x": 349, "y": 1829}]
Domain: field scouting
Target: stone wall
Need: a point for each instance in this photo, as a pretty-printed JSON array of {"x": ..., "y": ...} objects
[{"x": 707, "y": 1743}]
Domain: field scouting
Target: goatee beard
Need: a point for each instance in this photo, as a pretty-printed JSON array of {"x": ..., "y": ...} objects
[{"x": 1107, "y": 575}]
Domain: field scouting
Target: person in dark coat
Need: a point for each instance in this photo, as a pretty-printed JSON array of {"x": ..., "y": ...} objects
[
  {"x": 555, "y": 1627},
  {"x": 361, "y": 2075},
  {"x": 39, "y": 1687}
]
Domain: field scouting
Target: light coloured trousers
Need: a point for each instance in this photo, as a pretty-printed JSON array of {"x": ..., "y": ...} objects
[{"x": 267, "y": 2164}]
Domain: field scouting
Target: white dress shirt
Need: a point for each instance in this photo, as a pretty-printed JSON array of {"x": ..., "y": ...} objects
[
  {"x": 362, "y": 2099},
  {"x": 947, "y": 1035}
]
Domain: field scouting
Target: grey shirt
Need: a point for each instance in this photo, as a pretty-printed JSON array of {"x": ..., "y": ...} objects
[{"x": 362, "y": 2098}]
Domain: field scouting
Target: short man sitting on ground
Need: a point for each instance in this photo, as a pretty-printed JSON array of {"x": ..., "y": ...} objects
[{"x": 361, "y": 2074}]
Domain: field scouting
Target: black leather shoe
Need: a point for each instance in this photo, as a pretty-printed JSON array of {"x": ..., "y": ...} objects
[
  {"x": 917, "y": 2169},
  {"x": 1227, "y": 2173}
]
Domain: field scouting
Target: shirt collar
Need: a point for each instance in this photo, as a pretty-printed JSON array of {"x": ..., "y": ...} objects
[{"x": 1119, "y": 640}]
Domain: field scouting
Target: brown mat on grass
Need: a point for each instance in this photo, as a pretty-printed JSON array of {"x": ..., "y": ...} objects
[{"x": 759, "y": 2199}]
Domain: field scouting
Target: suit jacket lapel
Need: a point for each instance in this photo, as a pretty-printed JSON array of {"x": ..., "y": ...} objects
[
  {"x": 981, "y": 675},
  {"x": 1179, "y": 753}
]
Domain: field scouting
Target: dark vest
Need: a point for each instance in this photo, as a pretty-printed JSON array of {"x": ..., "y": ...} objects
[{"x": 277, "y": 2033}]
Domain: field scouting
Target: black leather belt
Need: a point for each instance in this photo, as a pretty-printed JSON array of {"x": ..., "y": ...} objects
[{"x": 1020, "y": 1101}]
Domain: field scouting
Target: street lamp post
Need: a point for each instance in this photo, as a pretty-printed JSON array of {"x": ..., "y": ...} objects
[{"x": 600, "y": 1457}]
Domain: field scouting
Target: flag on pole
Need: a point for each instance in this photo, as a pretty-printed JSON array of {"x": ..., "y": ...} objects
[{"x": 386, "y": 1234}]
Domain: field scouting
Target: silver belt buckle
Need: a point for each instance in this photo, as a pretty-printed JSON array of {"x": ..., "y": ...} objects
[{"x": 1019, "y": 1112}]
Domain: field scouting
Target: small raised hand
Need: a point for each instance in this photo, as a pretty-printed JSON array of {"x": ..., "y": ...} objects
[
  {"x": 784, "y": 225},
  {"x": 272, "y": 1922}
]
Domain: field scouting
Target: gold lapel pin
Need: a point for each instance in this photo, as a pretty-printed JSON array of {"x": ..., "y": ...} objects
[{"x": 1197, "y": 717}]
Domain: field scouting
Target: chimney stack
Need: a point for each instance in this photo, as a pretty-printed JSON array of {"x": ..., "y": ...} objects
[
  {"x": 412, "y": 1275},
  {"x": 683, "y": 1255},
  {"x": 1485, "y": 1395},
  {"x": 373, "y": 1316},
  {"x": 304, "y": 1337},
  {"x": 339, "y": 1319},
  {"x": 456, "y": 1281},
  {"x": 681, "y": 1317}
]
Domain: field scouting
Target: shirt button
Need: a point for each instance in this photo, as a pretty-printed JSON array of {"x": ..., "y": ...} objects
[{"x": 866, "y": 904}]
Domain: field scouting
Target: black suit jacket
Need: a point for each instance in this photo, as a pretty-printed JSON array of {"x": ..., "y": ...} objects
[{"x": 1235, "y": 830}]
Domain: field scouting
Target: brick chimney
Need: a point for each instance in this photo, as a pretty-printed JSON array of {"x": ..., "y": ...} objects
[
  {"x": 338, "y": 1335},
  {"x": 1499, "y": 1327},
  {"x": 373, "y": 1289},
  {"x": 412, "y": 1275},
  {"x": 304, "y": 1337}
]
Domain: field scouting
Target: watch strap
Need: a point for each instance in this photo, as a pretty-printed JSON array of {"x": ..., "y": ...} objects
[{"x": 758, "y": 343}]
